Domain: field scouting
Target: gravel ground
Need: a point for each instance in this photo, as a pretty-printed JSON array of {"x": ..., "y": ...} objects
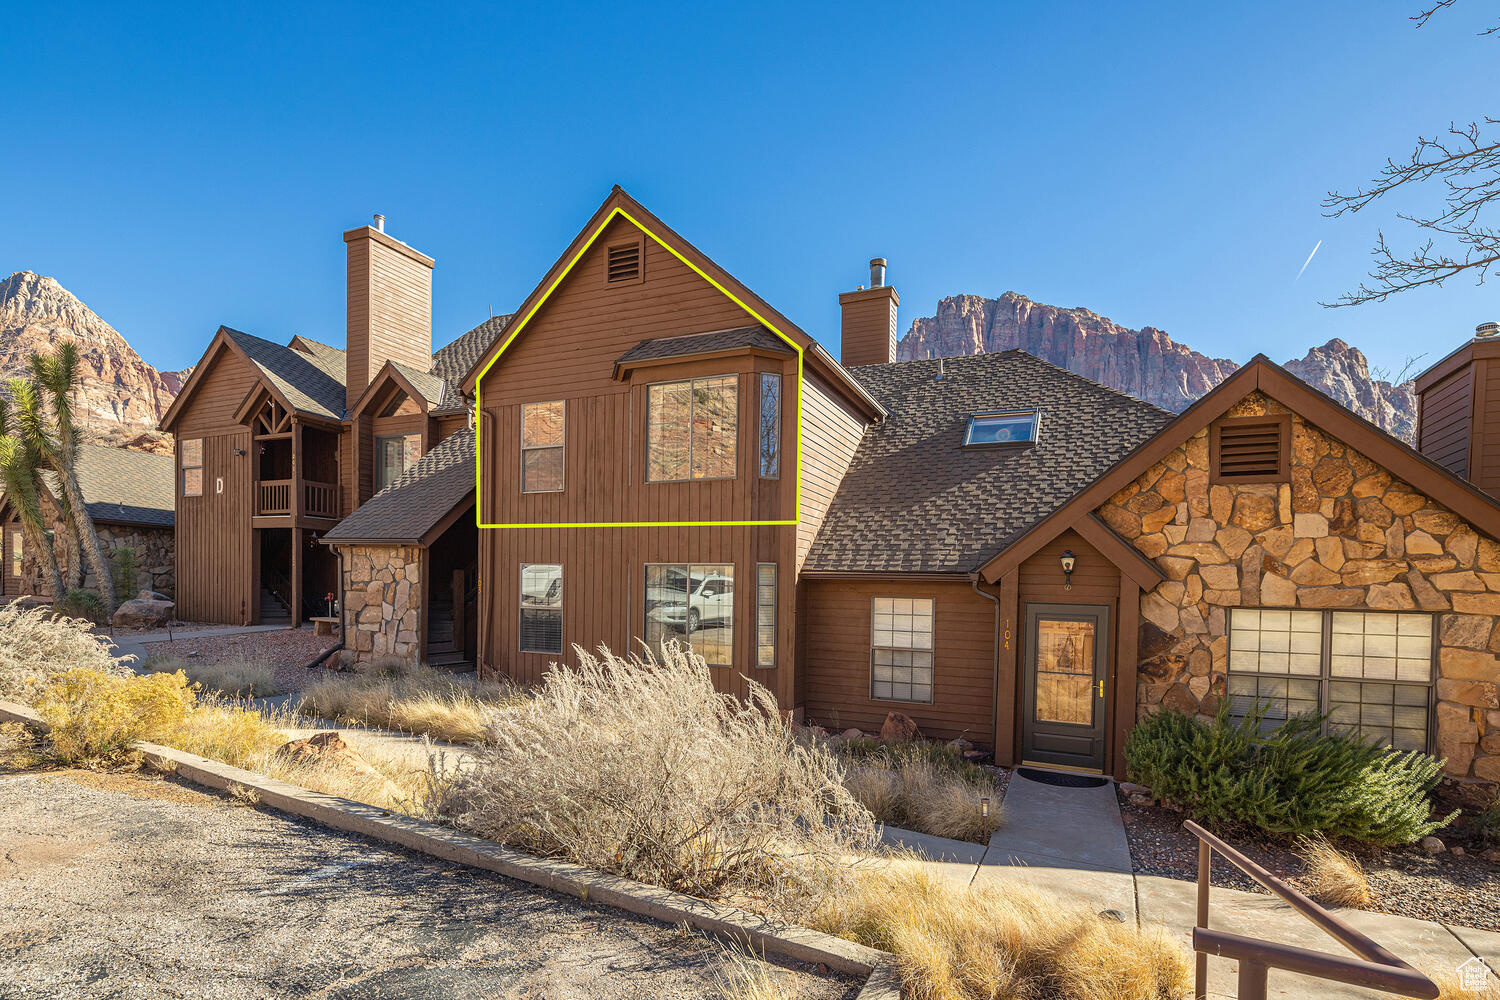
[
  {"x": 1458, "y": 890},
  {"x": 286, "y": 651},
  {"x": 125, "y": 886}
]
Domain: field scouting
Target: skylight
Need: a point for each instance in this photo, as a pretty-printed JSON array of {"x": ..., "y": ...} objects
[{"x": 1015, "y": 427}]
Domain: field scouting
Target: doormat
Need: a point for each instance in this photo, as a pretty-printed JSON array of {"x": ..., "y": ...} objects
[{"x": 1062, "y": 779}]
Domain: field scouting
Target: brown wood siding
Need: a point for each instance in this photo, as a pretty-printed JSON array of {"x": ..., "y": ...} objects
[
  {"x": 1484, "y": 452},
  {"x": 1445, "y": 424},
  {"x": 223, "y": 388},
  {"x": 835, "y": 659},
  {"x": 389, "y": 309},
  {"x": 1096, "y": 581},
  {"x": 448, "y": 426},
  {"x": 831, "y": 432},
  {"x": 868, "y": 327},
  {"x": 215, "y": 543}
]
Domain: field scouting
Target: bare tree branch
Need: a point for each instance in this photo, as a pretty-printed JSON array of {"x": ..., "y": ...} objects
[{"x": 1423, "y": 15}]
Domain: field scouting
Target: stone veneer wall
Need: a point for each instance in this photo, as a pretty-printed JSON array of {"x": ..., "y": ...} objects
[
  {"x": 155, "y": 565},
  {"x": 1342, "y": 534},
  {"x": 382, "y": 602}
]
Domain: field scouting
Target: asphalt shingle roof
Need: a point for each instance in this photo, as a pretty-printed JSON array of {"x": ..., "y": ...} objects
[
  {"x": 311, "y": 381},
  {"x": 411, "y": 506},
  {"x": 916, "y": 501},
  {"x": 127, "y": 487},
  {"x": 703, "y": 343},
  {"x": 452, "y": 362}
]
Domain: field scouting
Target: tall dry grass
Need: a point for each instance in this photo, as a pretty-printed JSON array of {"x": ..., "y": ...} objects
[
  {"x": 926, "y": 789},
  {"x": 1333, "y": 877},
  {"x": 39, "y": 644},
  {"x": 641, "y": 768},
  {"x": 231, "y": 678},
  {"x": 958, "y": 943},
  {"x": 409, "y": 698},
  {"x": 744, "y": 976}
]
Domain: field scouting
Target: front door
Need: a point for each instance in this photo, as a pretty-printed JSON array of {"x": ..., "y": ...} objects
[{"x": 1067, "y": 667}]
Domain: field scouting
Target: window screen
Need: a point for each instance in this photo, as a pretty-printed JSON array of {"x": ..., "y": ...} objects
[{"x": 901, "y": 649}]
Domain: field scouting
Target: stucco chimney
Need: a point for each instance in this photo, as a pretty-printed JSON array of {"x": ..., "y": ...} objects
[
  {"x": 869, "y": 321},
  {"x": 389, "y": 305}
]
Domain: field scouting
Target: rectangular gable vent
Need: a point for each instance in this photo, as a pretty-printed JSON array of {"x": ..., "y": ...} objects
[
  {"x": 623, "y": 263},
  {"x": 1251, "y": 449}
]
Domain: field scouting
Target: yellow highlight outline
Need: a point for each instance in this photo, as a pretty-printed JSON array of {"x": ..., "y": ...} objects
[{"x": 514, "y": 331}]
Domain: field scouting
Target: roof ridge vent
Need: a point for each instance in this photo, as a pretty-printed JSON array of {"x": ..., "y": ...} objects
[{"x": 1486, "y": 331}]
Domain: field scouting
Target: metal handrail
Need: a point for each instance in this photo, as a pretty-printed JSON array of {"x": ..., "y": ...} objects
[{"x": 1376, "y": 969}]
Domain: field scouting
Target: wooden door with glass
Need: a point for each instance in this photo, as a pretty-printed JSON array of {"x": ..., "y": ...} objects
[{"x": 1066, "y": 680}]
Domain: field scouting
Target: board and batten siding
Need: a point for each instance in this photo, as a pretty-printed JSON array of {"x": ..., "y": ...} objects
[
  {"x": 1446, "y": 416},
  {"x": 835, "y": 662},
  {"x": 831, "y": 432}
]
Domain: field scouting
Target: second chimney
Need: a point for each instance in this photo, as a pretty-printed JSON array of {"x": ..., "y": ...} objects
[
  {"x": 869, "y": 321},
  {"x": 389, "y": 306}
]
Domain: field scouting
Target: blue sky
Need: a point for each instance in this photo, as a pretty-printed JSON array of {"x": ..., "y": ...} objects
[{"x": 1163, "y": 165}]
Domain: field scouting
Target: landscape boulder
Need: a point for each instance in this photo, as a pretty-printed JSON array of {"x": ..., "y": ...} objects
[
  {"x": 327, "y": 750},
  {"x": 1433, "y": 845},
  {"x": 899, "y": 728},
  {"x": 139, "y": 613}
]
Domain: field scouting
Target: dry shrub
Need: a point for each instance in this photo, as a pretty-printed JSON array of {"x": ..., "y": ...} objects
[
  {"x": 411, "y": 699},
  {"x": 744, "y": 976},
  {"x": 39, "y": 644},
  {"x": 20, "y": 748},
  {"x": 914, "y": 789},
  {"x": 1333, "y": 877},
  {"x": 224, "y": 732},
  {"x": 95, "y": 715},
  {"x": 640, "y": 768},
  {"x": 231, "y": 678},
  {"x": 399, "y": 785},
  {"x": 954, "y": 942}
]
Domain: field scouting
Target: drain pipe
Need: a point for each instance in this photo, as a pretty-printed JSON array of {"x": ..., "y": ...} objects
[{"x": 995, "y": 665}]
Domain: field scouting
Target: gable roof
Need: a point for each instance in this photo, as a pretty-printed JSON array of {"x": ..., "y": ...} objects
[
  {"x": 310, "y": 382},
  {"x": 915, "y": 500},
  {"x": 620, "y": 203},
  {"x": 1261, "y": 373},
  {"x": 121, "y": 486},
  {"x": 453, "y": 361},
  {"x": 407, "y": 511},
  {"x": 661, "y": 348}
]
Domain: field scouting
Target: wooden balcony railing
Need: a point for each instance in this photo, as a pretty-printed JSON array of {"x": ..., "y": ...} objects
[
  {"x": 273, "y": 496},
  {"x": 320, "y": 499}
]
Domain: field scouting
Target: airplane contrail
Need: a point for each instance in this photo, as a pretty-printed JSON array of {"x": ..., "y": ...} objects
[{"x": 1307, "y": 261}]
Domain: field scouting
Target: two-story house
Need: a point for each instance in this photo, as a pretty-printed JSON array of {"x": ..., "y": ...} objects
[
  {"x": 277, "y": 444},
  {"x": 995, "y": 546}
]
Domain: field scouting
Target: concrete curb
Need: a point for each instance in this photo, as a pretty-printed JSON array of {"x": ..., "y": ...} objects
[{"x": 757, "y": 932}]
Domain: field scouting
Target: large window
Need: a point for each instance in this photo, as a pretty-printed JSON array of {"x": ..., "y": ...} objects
[
  {"x": 901, "y": 649},
  {"x": 691, "y": 428},
  {"x": 394, "y": 455},
  {"x": 1370, "y": 671},
  {"x": 692, "y": 603},
  {"x": 541, "y": 608},
  {"x": 770, "y": 426},
  {"x": 542, "y": 436},
  {"x": 765, "y": 615},
  {"x": 191, "y": 450}
]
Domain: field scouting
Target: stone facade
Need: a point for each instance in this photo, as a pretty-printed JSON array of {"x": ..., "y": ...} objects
[
  {"x": 1343, "y": 533},
  {"x": 382, "y": 608},
  {"x": 154, "y": 560}
]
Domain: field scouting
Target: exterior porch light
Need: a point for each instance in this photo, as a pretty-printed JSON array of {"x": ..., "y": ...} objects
[{"x": 1068, "y": 561}]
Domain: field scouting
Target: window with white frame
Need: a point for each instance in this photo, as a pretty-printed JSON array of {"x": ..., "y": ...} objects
[
  {"x": 901, "y": 649},
  {"x": 542, "y": 447},
  {"x": 1369, "y": 671},
  {"x": 541, "y": 608},
  {"x": 765, "y": 615}
]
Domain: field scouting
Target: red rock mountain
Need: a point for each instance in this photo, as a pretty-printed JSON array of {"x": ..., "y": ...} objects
[
  {"x": 1147, "y": 363},
  {"x": 122, "y": 397}
]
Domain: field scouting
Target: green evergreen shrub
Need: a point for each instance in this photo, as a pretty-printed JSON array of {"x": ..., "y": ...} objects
[
  {"x": 79, "y": 603},
  {"x": 1293, "y": 779},
  {"x": 122, "y": 568}
]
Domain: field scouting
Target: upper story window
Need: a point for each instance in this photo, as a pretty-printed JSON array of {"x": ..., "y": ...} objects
[
  {"x": 1251, "y": 449},
  {"x": 191, "y": 450},
  {"x": 542, "y": 436},
  {"x": 1017, "y": 427},
  {"x": 770, "y": 425},
  {"x": 691, "y": 429},
  {"x": 394, "y": 454}
]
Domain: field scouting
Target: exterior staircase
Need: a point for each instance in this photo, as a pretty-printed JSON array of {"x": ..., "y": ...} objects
[
  {"x": 273, "y": 610},
  {"x": 442, "y": 652}
]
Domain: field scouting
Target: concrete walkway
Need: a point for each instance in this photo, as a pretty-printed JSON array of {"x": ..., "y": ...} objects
[
  {"x": 135, "y": 645},
  {"x": 1071, "y": 841}
]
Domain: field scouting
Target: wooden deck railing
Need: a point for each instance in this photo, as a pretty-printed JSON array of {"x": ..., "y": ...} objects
[
  {"x": 320, "y": 499},
  {"x": 1375, "y": 969},
  {"x": 273, "y": 496}
]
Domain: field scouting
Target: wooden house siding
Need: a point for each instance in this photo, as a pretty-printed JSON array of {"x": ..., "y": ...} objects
[
  {"x": 831, "y": 432},
  {"x": 1444, "y": 424},
  {"x": 215, "y": 541},
  {"x": 835, "y": 659},
  {"x": 224, "y": 387},
  {"x": 389, "y": 307}
]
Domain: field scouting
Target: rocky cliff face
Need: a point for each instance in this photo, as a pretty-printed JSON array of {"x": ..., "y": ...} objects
[
  {"x": 122, "y": 397},
  {"x": 1146, "y": 363}
]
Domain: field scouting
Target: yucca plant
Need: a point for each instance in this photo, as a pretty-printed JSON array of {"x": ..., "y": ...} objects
[{"x": 20, "y": 474}]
